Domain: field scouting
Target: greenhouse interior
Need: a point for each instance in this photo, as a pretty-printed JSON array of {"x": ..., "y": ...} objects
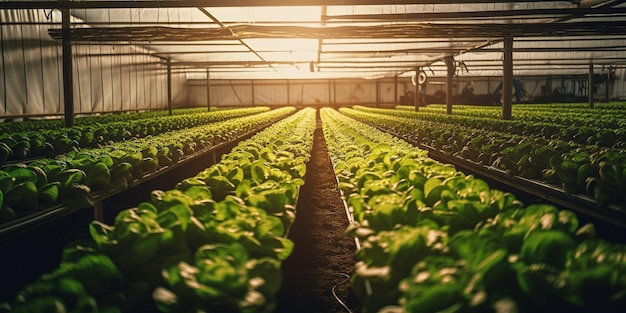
[{"x": 313, "y": 156}]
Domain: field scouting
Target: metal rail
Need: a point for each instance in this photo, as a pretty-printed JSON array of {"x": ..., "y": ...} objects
[{"x": 115, "y": 4}]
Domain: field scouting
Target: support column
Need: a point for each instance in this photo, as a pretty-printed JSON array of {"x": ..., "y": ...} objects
[
  {"x": 590, "y": 84},
  {"x": 607, "y": 96},
  {"x": 416, "y": 90},
  {"x": 331, "y": 91},
  {"x": 68, "y": 79},
  {"x": 289, "y": 94},
  {"x": 507, "y": 82},
  {"x": 169, "y": 86},
  {"x": 334, "y": 92},
  {"x": 208, "y": 90},
  {"x": 451, "y": 70},
  {"x": 252, "y": 90},
  {"x": 377, "y": 92},
  {"x": 395, "y": 90}
]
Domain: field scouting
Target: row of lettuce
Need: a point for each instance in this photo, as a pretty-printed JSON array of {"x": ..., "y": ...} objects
[
  {"x": 433, "y": 239},
  {"x": 214, "y": 243},
  {"x": 16, "y": 146},
  {"x": 43, "y": 123},
  {"x": 590, "y": 127},
  {"x": 593, "y": 170},
  {"x": 74, "y": 178},
  {"x": 603, "y": 115}
]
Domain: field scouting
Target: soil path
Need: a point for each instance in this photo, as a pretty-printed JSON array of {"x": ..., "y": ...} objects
[{"x": 323, "y": 256}]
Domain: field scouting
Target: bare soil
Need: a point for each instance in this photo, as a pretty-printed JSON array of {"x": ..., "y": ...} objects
[{"x": 323, "y": 257}]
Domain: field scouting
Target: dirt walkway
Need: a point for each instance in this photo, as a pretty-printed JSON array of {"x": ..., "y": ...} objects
[{"x": 323, "y": 256}]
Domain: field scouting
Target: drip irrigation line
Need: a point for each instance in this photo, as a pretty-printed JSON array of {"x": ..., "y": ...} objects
[
  {"x": 334, "y": 288},
  {"x": 343, "y": 304}
]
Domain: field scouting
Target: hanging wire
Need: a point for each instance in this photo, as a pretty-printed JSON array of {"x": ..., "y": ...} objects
[
  {"x": 91, "y": 102},
  {"x": 101, "y": 76},
  {"x": 158, "y": 11},
  {"x": 143, "y": 80},
  {"x": 24, "y": 58},
  {"x": 59, "y": 80},
  {"x": 121, "y": 57},
  {"x": 74, "y": 60},
  {"x": 4, "y": 75},
  {"x": 132, "y": 65},
  {"x": 48, "y": 15},
  {"x": 120, "y": 66},
  {"x": 143, "y": 71},
  {"x": 112, "y": 62},
  {"x": 43, "y": 87},
  {"x": 80, "y": 98},
  {"x": 90, "y": 65},
  {"x": 153, "y": 81}
]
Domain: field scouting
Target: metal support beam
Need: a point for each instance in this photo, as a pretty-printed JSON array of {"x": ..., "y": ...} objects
[
  {"x": 112, "y": 4},
  {"x": 606, "y": 86},
  {"x": 416, "y": 91},
  {"x": 483, "y": 14},
  {"x": 234, "y": 35},
  {"x": 332, "y": 95},
  {"x": 169, "y": 86},
  {"x": 377, "y": 92},
  {"x": 395, "y": 90},
  {"x": 252, "y": 90},
  {"x": 68, "y": 79},
  {"x": 334, "y": 92},
  {"x": 507, "y": 82},
  {"x": 449, "y": 60},
  {"x": 208, "y": 90},
  {"x": 591, "y": 84}
]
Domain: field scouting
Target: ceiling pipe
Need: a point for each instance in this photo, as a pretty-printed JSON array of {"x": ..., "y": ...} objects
[{"x": 434, "y": 16}]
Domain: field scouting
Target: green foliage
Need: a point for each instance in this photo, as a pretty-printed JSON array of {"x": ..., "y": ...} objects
[
  {"x": 435, "y": 240},
  {"x": 189, "y": 249}
]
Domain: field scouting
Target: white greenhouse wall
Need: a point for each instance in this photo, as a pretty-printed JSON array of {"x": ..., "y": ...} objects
[
  {"x": 106, "y": 77},
  {"x": 334, "y": 92},
  {"x": 381, "y": 92}
]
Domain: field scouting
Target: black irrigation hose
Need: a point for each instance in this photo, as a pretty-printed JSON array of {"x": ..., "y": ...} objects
[
  {"x": 333, "y": 290},
  {"x": 343, "y": 304}
]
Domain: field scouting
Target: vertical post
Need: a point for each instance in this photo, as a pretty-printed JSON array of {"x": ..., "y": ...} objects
[
  {"x": 395, "y": 90},
  {"x": 377, "y": 91},
  {"x": 289, "y": 93},
  {"x": 208, "y": 90},
  {"x": 590, "y": 83},
  {"x": 416, "y": 90},
  {"x": 334, "y": 92},
  {"x": 451, "y": 69},
  {"x": 507, "y": 83},
  {"x": 68, "y": 80},
  {"x": 606, "y": 86},
  {"x": 252, "y": 90},
  {"x": 169, "y": 86}
]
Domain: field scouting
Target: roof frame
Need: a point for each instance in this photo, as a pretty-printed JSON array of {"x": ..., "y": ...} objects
[{"x": 111, "y": 4}]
